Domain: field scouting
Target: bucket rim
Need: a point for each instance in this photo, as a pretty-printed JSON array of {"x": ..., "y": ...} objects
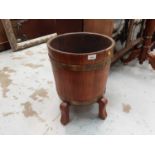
[{"x": 89, "y": 33}]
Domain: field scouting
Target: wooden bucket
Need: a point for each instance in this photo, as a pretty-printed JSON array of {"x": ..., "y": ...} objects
[{"x": 80, "y": 63}]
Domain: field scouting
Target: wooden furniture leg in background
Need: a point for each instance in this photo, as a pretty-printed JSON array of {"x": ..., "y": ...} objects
[
  {"x": 102, "y": 108},
  {"x": 148, "y": 33},
  {"x": 134, "y": 50},
  {"x": 64, "y": 107},
  {"x": 134, "y": 54}
]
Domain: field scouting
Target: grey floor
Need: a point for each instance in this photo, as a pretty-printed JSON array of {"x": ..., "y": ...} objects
[{"x": 29, "y": 103}]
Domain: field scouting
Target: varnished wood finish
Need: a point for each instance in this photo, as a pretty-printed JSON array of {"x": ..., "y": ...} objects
[
  {"x": 34, "y": 28},
  {"x": 68, "y": 25},
  {"x": 102, "y": 108},
  {"x": 102, "y": 26},
  {"x": 80, "y": 81},
  {"x": 64, "y": 107},
  {"x": 80, "y": 87}
]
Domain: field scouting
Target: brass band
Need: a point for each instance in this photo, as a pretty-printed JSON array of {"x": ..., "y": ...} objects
[{"x": 87, "y": 67}]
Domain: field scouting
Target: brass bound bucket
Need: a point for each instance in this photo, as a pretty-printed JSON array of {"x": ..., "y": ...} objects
[{"x": 80, "y": 63}]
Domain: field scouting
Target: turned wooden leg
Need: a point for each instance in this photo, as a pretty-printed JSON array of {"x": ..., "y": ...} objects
[
  {"x": 64, "y": 107},
  {"x": 102, "y": 108}
]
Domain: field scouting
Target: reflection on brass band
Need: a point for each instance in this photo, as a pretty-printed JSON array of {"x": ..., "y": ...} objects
[{"x": 87, "y": 67}]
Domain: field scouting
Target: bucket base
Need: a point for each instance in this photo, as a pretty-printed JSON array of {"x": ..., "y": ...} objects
[{"x": 64, "y": 108}]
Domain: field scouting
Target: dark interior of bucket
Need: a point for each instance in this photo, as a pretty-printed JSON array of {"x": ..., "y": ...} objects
[{"x": 80, "y": 43}]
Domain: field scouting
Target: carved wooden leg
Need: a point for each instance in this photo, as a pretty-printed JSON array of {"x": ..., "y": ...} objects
[
  {"x": 102, "y": 108},
  {"x": 64, "y": 107}
]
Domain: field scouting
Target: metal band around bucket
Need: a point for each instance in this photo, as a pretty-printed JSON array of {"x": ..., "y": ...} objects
[{"x": 87, "y": 67}]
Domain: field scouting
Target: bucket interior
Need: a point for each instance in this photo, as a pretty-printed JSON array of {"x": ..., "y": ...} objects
[{"x": 80, "y": 43}]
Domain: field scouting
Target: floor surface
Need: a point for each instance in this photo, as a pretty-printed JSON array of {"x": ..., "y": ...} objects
[{"x": 29, "y": 103}]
